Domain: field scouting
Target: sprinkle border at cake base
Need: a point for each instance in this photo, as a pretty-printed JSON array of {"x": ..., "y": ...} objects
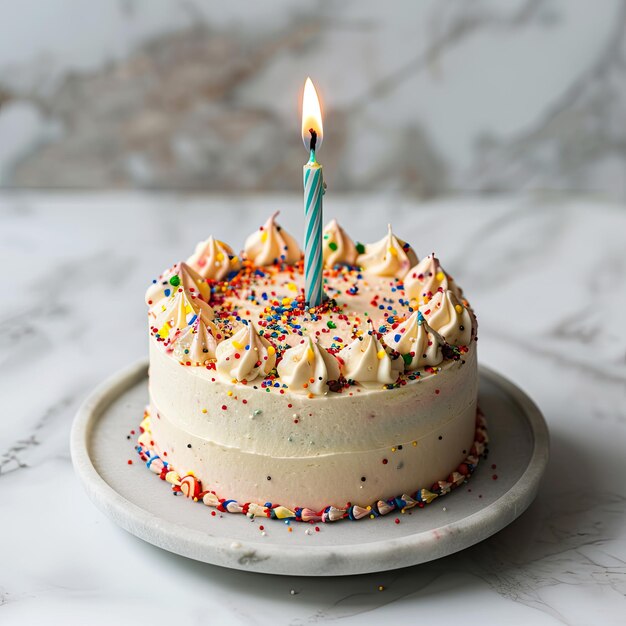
[{"x": 190, "y": 487}]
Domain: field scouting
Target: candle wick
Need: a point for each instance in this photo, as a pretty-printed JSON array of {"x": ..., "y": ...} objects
[{"x": 313, "y": 139}]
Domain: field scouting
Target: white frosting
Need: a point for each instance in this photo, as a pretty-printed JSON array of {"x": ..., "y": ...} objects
[
  {"x": 453, "y": 321},
  {"x": 272, "y": 243},
  {"x": 416, "y": 341},
  {"x": 365, "y": 360},
  {"x": 422, "y": 281},
  {"x": 307, "y": 368},
  {"x": 339, "y": 438},
  {"x": 162, "y": 289},
  {"x": 214, "y": 259},
  {"x": 246, "y": 355},
  {"x": 387, "y": 257},
  {"x": 196, "y": 344},
  {"x": 337, "y": 247},
  {"x": 180, "y": 310}
]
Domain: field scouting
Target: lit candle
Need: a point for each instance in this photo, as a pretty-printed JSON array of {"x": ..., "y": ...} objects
[{"x": 312, "y": 135}]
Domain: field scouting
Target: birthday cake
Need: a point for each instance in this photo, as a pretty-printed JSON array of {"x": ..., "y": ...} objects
[{"x": 262, "y": 405}]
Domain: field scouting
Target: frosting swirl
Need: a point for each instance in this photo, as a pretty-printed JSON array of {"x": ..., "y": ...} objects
[
  {"x": 246, "y": 355},
  {"x": 181, "y": 309},
  {"x": 423, "y": 280},
  {"x": 177, "y": 275},
  {"x": 453, "y": 321},
  {"x": 196, "y": 343},
  {"x": 388, "y": 257},
  {"x": 366, "y": 360},
  {"x": 416, "y": 341},
  {"x": 308, "y": 367},
  {"x": 271, "y": 244},
  {"x": 214, "y": 259},
  {"x": 337, "y": 247}
]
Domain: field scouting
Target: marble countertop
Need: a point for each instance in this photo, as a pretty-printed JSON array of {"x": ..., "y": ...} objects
[{"x": 547, "y": 276}]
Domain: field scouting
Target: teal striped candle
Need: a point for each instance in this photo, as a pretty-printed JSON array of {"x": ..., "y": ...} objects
[{"x": 313, "y": 192}]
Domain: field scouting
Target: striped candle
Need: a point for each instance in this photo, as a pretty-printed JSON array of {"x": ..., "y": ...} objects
[
  {"x": 313, "y": 191},
  {"x": 312, "y": 135}
]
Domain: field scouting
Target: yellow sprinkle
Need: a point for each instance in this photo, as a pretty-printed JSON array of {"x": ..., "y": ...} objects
[
  {"x": 292, "y": 287},
  {"x": 310, "y": 355},
  {"x": 414, "y": 443},
  {"x": 393, "y": 251},
  {"x": 286, "y": 300},
  {"x": 459, "y": 308},
  {"x": 237, "y": 345},
  {"x": 381, "y": 588},
  {"x": 164, "y": 331},
  {"x": 440, "y": 276},
  {"x": 264, "y": 236},
  {"x": 271, "y": 350},
  {"x": 204, "y": 410},
  {"x": 230, "y": 393},
  {"x": 372, "y": 516},
  {"x": 219, "y": 256},
  {"x": 235, "y": 259},
  {"x": 381, "y": 353},
  {"x": 393, "y": 449},
  {"x": 190, "y": 474}
]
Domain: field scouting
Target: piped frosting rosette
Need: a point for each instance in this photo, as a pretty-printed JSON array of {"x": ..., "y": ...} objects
[
  {"x": 179, "y": 275},
  {"x": 214, "y": 259},
  {"x": 196, "y": 344},
  {"x": 365, "y": 360},
  {"x": 272, "y": 244},
  {"x": 308, "y": 368},
  {"x": 337, "y": 247},
  {"x": 424, "y": 280},
  {"x": 179, "y": 311},
  {"x": 449, "y": 317},
  {"x": 417, "y": 343},
  {"x": 245, "y": 356},
  {"x": 388, "y": 257}
]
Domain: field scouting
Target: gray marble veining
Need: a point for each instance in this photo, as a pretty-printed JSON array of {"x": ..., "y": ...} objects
[
  {"x": 425, "y": 97},
  {"x": 544, "y": 275}
]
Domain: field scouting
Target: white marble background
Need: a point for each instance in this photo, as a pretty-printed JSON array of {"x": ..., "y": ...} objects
[
  {"x": 547, "y": 276},
  {"x": 424, "y": 97}
]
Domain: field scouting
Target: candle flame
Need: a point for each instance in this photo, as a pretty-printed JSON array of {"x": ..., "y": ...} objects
[{"x": 311, "y": 116}]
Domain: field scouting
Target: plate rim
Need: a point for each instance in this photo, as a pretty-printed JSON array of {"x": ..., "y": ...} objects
[{"x": 354, "y": 559}]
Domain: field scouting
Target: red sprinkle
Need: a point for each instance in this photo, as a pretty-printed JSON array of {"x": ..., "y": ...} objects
[
  {"x": 130, "y": 462},
  {"x": 495, "y": 477},
  {"x": 385, "y": 461},
  {"x": 261, "y": 527},
  {"x": 224, "y": 407},
  {"x": 397, "y": 520}
]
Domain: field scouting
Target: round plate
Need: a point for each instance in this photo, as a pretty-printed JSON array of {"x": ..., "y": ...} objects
[{"x": 499, "y": 491}]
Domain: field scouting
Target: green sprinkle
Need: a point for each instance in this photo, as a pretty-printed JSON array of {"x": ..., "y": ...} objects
[
  {"x": 175, "y": 280},
  {"x": 407, "y": 358},
  {"x": 360, "y": 248},
  {"x": 332, "y": 245},
  {"x": 331, "y": 324}
]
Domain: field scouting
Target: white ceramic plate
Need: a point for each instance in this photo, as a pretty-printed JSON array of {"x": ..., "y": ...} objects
[{"x": 139, "y": 502}]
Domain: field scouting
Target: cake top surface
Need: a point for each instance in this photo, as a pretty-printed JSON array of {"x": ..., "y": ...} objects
[{"x": 388, "y": 319}]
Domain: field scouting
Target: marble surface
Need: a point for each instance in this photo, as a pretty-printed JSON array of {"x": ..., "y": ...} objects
[
  {"x": 547, "y": 276},
  {"x": 428, "y": 97}
]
